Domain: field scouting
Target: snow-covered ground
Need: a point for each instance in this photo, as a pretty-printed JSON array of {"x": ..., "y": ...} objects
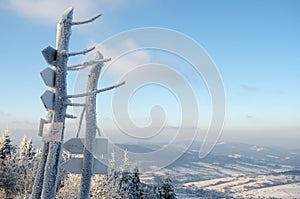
[
  {"x": 278, "y": 186},
  {"x": 280, "y": 191},
  {"x": 234, "y": 171}
]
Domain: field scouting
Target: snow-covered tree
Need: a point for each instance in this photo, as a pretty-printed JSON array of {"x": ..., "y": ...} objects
[
  {"x": 112, "y": 177},
  {"x": 112, "y": 162},
  {"x": 70, "y": 188},
  {"x": 99, "y": 187},
  {"x": 124, "y": 184},
  {"x": 27, "y": 162},
  {"x": 27, "y": 173},
  {"x": 6, "y": 147},
  {"x": 26, "y": 149},
  {"x": 9, "y": 174},
  {"x": 112, "y": 180},
  {"x": 118, "y": 184},
  {"x": 128, "y": 183},
  {"x": 63, "y": 174},
  {"x": 166, "y": 189},
  {"x": 137, "y": 191},
  {"x": 125, "y": 166}
]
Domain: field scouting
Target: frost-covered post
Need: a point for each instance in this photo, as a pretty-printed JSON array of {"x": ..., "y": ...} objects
[
  {"x": 39, "y": 178},
  {"x": 55, "y": 147},
  {"x": 56, "y": 102},
  {"x": 91, "y": 122},
  {"x": 91, "y": 128}
]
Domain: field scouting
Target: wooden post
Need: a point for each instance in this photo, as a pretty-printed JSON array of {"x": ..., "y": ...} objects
[
  {"x": 55, "y": 148},
  {"x": 45, "y": 183},
  {"x": 91, "y": 128}
]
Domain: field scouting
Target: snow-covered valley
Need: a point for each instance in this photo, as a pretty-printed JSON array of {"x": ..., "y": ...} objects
[{"x": 234, "y": 170}]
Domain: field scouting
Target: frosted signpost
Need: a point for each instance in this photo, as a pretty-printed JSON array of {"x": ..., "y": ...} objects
[
  {"x": 56, "y": 101},
  {"x": 88, "y": 165}
]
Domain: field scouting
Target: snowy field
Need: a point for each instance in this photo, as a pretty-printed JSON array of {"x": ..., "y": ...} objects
[
  {"x": 253, "y": 172},
  {"x": 280, "y": 186}
]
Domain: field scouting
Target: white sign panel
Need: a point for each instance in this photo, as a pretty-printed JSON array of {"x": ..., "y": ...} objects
[
  {"x": 74, "y": 165},
  {"x": 76, "y": 145},
  {"x": 52, "y": 132},
  {"x": 101, "y": 145}
]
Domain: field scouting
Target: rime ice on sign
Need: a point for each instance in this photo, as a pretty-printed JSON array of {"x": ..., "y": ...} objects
[
  {"x": 74, "y": 165},
  {"x": 49, "y": 54},
  {"x": 48, "y": 75},
  {"x": 47, "y": 99},
  {"x": 75, "y": 146},
  {"x": 52, "y": 132}
]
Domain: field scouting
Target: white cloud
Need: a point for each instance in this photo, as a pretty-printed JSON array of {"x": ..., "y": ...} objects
[
  {"x": 121, "y": 65},
  {"x": 51, "y": 10}
]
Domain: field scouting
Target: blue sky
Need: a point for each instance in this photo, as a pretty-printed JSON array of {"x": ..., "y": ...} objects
[{"x": 255, "y": 45}]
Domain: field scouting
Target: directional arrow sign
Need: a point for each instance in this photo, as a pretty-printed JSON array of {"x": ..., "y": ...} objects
[
  {"x": 74, "y": 165},
  {"x": 49, "y": 54},
  {"x": 48, "y": 75},
  {"x": 101, "y": 146},
  {"x": 99, "y": 167},
  {"x": 76, "y": 145},
  {"x": 47, "y": 99}
]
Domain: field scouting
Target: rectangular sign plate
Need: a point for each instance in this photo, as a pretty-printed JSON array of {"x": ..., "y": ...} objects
[
  {"x": 52, "y": 132},
  {"x": 74, "y": 165},
  {"x": 76, "y": 145}
]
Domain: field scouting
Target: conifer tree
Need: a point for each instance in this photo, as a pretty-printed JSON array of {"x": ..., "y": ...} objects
[
  {"x": 99, "y": 187},
  {"x": 136, "y": 184},
  {"x": 9, "y": 174},
  {"x": 166, "y": 189},
  {"x": 6, "y": 147},
  {"x": 27, "y": 162},
  {"x": 26, "y": 149}
]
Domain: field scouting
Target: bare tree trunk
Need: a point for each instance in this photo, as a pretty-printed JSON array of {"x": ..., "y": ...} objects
[
  {"x": 55, "y": 148},
  {"x": 91, "y": 128}
]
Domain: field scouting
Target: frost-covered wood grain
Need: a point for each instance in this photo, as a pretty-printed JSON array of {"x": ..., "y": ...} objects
[
  {"x": 91, "y": 128},
  {"x": 55, "y": 148}
]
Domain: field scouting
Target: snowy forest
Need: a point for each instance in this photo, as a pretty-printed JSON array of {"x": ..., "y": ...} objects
[{"x": 19, "y": 165}]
